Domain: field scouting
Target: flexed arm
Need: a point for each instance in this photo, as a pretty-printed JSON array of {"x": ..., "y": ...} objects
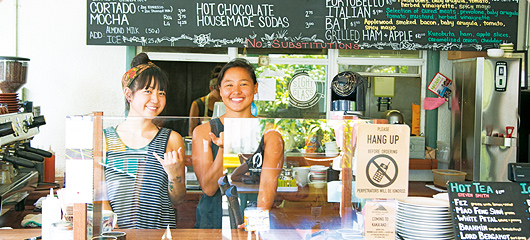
[{"x": 207, "y": 169}]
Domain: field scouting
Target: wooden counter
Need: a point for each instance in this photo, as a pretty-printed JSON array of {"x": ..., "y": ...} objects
[
  {"x": 156, "y": 234},
  {"x": 314, "y": 159}
]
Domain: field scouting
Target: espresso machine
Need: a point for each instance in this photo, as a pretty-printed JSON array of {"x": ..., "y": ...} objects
[{"x": 21, "y": 166}]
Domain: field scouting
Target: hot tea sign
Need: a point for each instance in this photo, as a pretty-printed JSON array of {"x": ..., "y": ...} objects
[{"x": 382, "y": 161}]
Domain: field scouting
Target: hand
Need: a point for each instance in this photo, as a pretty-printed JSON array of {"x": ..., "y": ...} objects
[
  {"x": 172, "y": 162},
  {"x": 219, "y": 141}
]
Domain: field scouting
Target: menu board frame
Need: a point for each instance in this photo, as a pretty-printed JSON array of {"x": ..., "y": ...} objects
[
  {"x": 490, "y": 210},
  {"x": 473, "y": 25}
]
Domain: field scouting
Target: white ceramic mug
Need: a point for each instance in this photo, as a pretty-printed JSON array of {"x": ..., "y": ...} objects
[
  {"x": 317, "y": 174},
  {"x": 300, "y": 174}
]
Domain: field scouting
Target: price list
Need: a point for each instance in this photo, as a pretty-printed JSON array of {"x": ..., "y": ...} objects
[
  {"x": 321, "y": 24},
  {"x": 490, "y": 210}
]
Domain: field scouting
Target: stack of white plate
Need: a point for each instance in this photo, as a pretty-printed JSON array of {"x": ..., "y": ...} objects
[{"x": 420, "y": 218}]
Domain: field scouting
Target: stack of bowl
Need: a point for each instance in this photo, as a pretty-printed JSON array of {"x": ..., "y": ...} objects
[
  {"x": 508, "y": 49},
  {"x": 13, "y": 74}
]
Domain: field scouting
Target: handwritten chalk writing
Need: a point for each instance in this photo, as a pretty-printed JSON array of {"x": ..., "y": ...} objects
[
  {"x": 462, "y": 210},
  {"x": 447, "y": 23},
  {"x": 459, "y": 202},
  {"x": 467, "y": 24},
  {"x": 311, "y": 45},
  {"x": 372, "y": 35},
  {"x": 477, "y": 210},
  {"x": 406, "y": 22},
  {"x": 112, "y": 8},
  {"x": 487, "y": 219},
  {"x": 465, "y": 227},
  {"x": 468, "y": 236},
  {"x": 480, "y": 188},
  {"x": 114, "y": 30},
  {"x": 496, "y": 24},
  {"x": 224, "y": 21},
  {"x": 132, "y": 30},
  {"x": 482, "y": 235},
  {"x": 457, "y": 187},
  {"x": 273, "y": 22},
  {"x": 109, "y": 19},
  {"x": 335, "y": 35},
  {"x": 494, "y": 211},
  {"x": 113, "y": 39},
  {"x": 481, "y": 195},
  {"x": 337, "y": 24},
  {"x": 467, "y": 218}
]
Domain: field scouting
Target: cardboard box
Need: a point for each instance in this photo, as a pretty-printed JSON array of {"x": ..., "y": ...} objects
[{"x": 417, "y": 147}]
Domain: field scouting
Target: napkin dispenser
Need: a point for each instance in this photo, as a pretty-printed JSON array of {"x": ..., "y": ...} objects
[{"x": 519, "y": 172}]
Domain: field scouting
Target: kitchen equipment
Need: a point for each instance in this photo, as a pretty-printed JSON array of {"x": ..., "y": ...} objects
[
  {"x": 393, "y": 116},
  {"x": 348, "y": 86},
  {"x": 519, "y": 172},
  {"x": 16, "y": 131},
  {"x": 13, "y": 73},
  {"x": 478, "y": 111}
]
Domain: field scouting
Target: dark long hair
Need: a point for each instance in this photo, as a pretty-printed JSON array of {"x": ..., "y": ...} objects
[{"x": 238, "y": 62}]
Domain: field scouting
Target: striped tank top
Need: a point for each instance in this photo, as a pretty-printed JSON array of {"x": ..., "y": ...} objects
[{"x": 137, "y": 185}]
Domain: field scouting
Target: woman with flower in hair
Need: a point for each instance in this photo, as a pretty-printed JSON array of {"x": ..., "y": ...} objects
[{"x": 144, "y": 164}]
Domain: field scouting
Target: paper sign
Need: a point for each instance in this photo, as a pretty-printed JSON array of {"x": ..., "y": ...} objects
[
  {"x": 266, "y": 89},
  {"x": 441, "y": 86},
  {"x": 79, "y": 162},
  {"x": 383, "y": 161},
  {"x": 380, "y": 220}
]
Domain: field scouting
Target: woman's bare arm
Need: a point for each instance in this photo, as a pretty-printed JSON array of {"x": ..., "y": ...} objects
[
  {"x": 207, "y": 170},
  {"x": 272, "y": 167}
]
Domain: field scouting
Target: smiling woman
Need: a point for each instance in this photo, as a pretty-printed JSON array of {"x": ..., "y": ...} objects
[
  {"x": 144, "y": 164},
  {"x": 237, "y": 86}
]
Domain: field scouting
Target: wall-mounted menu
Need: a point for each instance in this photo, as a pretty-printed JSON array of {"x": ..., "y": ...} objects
[
  {"x": 313, "y": 24},
  {"x": 490, "y": 210}
]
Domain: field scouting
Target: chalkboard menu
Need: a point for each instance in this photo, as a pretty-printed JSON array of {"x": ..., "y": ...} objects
[
  {"x": 490, "y": 210},
  {"x": 312, "y": 24}
]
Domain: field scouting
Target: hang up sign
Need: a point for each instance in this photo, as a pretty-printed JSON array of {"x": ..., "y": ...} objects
[{"x": 383, "y": 160}]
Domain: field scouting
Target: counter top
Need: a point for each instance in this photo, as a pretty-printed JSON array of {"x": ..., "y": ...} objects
[{"x": 156, "y": 234}]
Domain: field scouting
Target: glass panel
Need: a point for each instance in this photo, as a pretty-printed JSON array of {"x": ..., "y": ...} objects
[
  {"x": 378, "y": 53},
  {"x": 313, "y": 106},
  {"x": 380, "y": 69},
  {"x": 134, "y": 184}
]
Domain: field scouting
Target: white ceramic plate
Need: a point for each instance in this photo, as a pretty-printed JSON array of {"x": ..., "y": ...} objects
[
  {"x": 412, "y": 210},
  {"x": 424, "y": 202},
  {"x": 426, "y": 216}
]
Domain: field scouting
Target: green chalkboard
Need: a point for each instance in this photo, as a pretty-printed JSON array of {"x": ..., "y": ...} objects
[
  {"x": 490, "y": 210},
  {"x": 313, "y": 24}
]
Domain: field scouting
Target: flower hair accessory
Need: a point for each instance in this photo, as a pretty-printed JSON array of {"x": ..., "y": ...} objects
[{"x": 134, "y": 72}]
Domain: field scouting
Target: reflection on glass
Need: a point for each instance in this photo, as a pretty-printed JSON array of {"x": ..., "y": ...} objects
[
  {"x": 283, "y": 74},
  {"x": 304, "y": 207}
]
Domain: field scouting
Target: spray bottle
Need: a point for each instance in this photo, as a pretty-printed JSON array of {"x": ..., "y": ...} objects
[{"x": 51, "y": 213}]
